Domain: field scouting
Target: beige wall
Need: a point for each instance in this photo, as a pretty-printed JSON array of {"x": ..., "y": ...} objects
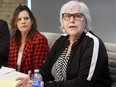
[{"x": 7, "y": 8}]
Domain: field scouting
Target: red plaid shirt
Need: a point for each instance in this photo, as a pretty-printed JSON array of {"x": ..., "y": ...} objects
[{"x": 35, "y": 52}]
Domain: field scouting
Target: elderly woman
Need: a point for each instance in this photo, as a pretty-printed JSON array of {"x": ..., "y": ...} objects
[{"x": 78, "y": 59}]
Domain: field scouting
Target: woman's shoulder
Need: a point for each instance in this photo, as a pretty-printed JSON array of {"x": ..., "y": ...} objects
[
  {"x": 38, "y": 35},
  {"x": 3, "y": 24},
  {"x": 61, "y": 39},
  {"x": 93, "y": 38},
  {"x": 39, "y": 38},
  {"x": 2, "y": 21}
]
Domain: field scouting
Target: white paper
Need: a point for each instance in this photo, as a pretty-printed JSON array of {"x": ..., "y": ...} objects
[{"x": 6, "y": 70}]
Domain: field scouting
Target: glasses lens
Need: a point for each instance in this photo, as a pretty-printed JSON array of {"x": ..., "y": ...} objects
[
  {"x": 76, "y": 16},
  {"x": 66, "y": 16}
]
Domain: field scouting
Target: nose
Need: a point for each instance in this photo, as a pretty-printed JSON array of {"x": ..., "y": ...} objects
[
  {"x": 22, "y": 21},
  {"x": 72, "y": 19}
]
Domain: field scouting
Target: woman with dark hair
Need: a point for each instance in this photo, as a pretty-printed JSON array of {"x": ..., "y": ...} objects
[
  {"x": 78, "y": 59},
  {"x": 28, "y": 47}
]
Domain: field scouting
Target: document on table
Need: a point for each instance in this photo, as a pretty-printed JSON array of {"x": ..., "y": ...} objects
[
  {"x": 5, "y": 70},
  {"x": 8, "y": 77},
  {"x": 10, "y": 82}
]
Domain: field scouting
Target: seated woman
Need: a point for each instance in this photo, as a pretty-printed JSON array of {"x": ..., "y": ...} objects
[
  {"x": 78, "y": 59},
  {"x": 28, "y": 47}
]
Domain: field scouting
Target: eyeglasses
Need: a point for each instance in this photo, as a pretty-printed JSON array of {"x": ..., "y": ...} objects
[{"x": 76, "y": 16}]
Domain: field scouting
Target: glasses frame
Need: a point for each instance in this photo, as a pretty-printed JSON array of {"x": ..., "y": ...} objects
[{"x": 68, "y": 15}]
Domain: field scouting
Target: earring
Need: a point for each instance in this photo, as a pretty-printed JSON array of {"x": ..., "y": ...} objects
[{"x": 85, "y": 30}]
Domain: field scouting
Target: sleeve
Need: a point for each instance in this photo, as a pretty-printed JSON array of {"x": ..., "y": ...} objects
[
  {"x": 4, "y": 42},
  {"x": 41, "y": 49},
  {"x": 13, "y": 53}
]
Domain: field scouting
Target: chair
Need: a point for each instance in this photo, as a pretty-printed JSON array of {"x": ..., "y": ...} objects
[
  {"x": 111, "y": 50},
  {"x": 51, "y": 37}
]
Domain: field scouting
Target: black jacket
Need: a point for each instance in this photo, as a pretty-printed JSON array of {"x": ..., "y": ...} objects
[
  {"x": 87, "y": 66},
  {"x": 4, "y": 42}
]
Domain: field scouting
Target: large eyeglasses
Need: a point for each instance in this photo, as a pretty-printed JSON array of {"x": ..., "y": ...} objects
[{"x": 76, "y": 16}]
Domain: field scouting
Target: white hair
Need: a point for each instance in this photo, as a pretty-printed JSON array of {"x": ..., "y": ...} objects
[{"x": 83, "y": 9}]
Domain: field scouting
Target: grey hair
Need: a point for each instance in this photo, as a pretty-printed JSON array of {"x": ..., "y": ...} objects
[{"x": 83, "y": 9}]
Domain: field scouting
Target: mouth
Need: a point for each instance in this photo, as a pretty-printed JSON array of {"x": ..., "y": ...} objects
[
  {"x": 72, "y": 26},
  {"x": 24, "y": 26}
]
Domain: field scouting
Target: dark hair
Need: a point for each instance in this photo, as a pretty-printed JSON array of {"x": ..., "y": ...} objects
[{"x": 16, "y": 35}]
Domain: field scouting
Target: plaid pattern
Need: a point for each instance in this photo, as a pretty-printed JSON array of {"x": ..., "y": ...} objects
[{"x": 35, "y": 52}]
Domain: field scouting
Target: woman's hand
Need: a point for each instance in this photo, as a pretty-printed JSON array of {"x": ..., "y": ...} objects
[{"x": 24, "y": 81}]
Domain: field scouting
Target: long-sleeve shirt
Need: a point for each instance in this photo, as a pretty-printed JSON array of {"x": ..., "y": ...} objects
[
  {"x": 87, "y": 65},
  {"x": 34, "y": 53}
]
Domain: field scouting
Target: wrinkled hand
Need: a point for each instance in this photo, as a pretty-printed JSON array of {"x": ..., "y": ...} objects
[{"x": 24, "y": 81}]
